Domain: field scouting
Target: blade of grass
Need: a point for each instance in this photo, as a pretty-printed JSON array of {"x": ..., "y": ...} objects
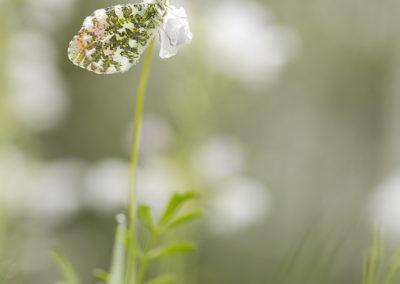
[
  {"x": 118, "y": 259},
  {"x": 66, "y": 268}
]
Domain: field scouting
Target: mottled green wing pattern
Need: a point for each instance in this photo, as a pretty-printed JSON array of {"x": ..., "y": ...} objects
[{"x": 112, "y": 39}]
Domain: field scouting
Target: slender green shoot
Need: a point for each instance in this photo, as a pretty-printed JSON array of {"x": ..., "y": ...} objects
[{"x": 131, "y": 263}]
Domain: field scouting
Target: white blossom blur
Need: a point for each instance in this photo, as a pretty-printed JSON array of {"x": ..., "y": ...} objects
[
  {"x": 158, "y": 179},
  {"x": 17, "y": 171},
  {"x": 38, "y": 98},
  {"x": 106, "y": 185},
  {"x": 45, "y": 191},
  {"x": 244, "y": 41},
  {"x": 238, "y": 204},
  {"x": 384, "y": 205},
  {"x": 48, "y": 15},
  {"x": 218, "y": 158},
  {"x": 156, "y": 136},
  {"x": 54, "y": 191}
]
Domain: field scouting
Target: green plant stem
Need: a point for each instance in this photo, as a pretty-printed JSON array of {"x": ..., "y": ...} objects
[
  {"x": 145, "y": 260},
  {"x": 131, "y": 263}
]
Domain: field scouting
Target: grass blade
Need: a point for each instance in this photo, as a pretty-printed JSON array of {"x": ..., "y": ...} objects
[
  {"x": 117, "y": 269},
  {"x": 65, "y": 267}
]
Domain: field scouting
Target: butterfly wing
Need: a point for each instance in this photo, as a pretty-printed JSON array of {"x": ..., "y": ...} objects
[{"x": 111, "y": 40}]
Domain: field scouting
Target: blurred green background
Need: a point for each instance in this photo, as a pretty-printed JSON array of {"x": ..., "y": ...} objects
[{"x": 282, "y": 114}]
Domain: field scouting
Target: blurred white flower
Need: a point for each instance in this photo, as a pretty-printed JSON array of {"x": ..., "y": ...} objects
[
  {"x": 34, "y": 189},
  {"x": 48, "y": 14},
  {"x": 38, "y": 95},
  {"x": 175, "y": 32},
  {"x": 54, "y": 191},
  {"x": 244, "y": 42},
  {"x": 385, "y": 205},
  {"x": 106, "y": 185},
  {"x": 158, "y": 180},
  {"x": 240, "y": 203},
  {"x": 219, "y": 158},
  {"x": 156, "y": 135},
  {"x": 17, "y": 171}
]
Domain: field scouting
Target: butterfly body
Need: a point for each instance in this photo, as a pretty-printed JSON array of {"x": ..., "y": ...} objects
[{"x": 111, "y": 40}]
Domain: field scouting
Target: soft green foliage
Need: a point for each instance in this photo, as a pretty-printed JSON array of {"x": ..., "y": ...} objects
[
  {"x": 374, "y": 272},
  {"x": 176, "y": 202},
  {"x": 173, "y": 216}
]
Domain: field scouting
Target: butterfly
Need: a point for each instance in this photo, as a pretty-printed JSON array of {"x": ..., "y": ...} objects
[{"x": 111, "y": 40}]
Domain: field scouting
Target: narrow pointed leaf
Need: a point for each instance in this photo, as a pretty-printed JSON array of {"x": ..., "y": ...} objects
[
  {"x": 144, "y": 213},
  {"x": 65, "y": 267},
  {"x": 174, "y": 204},
  {"x": 101, "y": 275},
  {"x": 171, "y": 249},
  {"x": 164, "y": 279},
  {"x": 189, "y": 216}
]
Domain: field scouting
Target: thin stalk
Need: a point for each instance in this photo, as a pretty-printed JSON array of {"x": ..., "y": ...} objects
[
  {"x": 145, "y": 260},
  {"x": 131, "y": 262}
]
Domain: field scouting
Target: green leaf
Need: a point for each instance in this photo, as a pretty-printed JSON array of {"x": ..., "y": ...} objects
[
  {"x": 101, "y": 275},
  {"x": 65, "y": 267},
  {"x": 170, "y": 249},
  {"x": 118, "y": 259},
  {"x": 164, "y": 279},
  {"x": 174, "y": 204},
  {"x": 144, "y": 213},
  {"x": 186, "y": 217}
]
